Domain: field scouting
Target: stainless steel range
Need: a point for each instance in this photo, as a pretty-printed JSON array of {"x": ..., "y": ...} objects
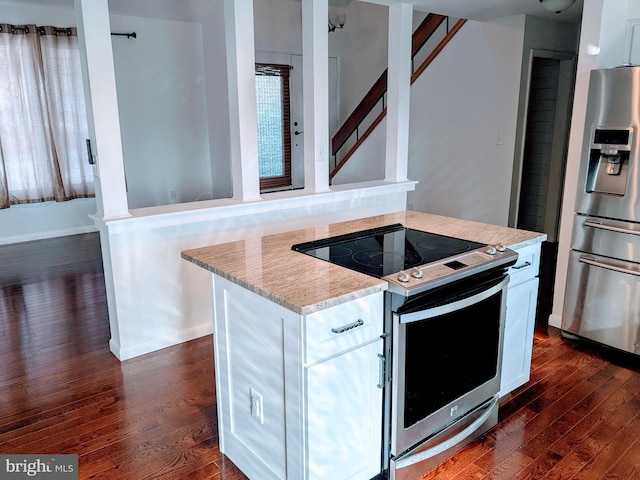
[{"x": 444, "y": 322}]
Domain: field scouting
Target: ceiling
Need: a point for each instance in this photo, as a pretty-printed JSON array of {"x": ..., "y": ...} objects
[{"x": 481, "y": 10}]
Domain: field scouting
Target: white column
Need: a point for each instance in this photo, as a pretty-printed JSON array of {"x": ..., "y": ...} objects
[
  {"x": 243, "y": 126},
  {"x": 96, "y": 54},
  {"x": 398, "y": 92},
  {"x": 315, "y": 68}
]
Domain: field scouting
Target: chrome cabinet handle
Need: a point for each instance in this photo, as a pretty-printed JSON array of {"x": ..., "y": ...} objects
[
  {"x": 349, "y": 326},
  {"x": 518, "y": 267},
  {"x": 381, "y": 371},
  {"x": 599, "y": 263},
  {"x": 607, "y": 226}
]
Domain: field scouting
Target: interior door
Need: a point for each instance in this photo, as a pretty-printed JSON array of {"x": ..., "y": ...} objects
[{"x": 546, "y": 137}]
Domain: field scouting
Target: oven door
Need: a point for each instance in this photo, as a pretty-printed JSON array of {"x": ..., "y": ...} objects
[{"x": 447, "y": 357}]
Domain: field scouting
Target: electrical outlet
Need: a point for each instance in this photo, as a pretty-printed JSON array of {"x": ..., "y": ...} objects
[{"x": 256, "y": 404}]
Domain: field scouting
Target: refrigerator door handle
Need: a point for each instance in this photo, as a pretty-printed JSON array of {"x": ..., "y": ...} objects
[
  {"x": 602, "y": 264},
  {"x": 590, "y": 222}
]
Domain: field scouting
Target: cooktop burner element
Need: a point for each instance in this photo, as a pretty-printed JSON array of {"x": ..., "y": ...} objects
[{"x": 411, "y": 260}]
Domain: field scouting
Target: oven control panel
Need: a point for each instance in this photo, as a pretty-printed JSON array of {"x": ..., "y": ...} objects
[{"x": 423, "y": 277}]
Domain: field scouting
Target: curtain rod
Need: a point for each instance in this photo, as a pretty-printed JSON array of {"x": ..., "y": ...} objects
[{"x": 128, "y": 35}]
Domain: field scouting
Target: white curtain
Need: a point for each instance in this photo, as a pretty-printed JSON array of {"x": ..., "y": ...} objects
[{"x": 43, "y": 123}]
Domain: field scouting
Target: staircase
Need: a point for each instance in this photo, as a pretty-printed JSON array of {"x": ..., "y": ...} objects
[{"x": 348, "y": 138}]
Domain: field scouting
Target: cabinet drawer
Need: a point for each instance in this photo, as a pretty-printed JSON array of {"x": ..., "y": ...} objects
[
  {"x": 526, "y": 266},
  {"x": 342, "y": 327}
]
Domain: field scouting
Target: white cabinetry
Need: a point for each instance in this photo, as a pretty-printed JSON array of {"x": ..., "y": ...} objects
[
  {"x": 343, "y": 415},
  {"x": 297, "y": 395},
  {"x": 520, "y": 322}
]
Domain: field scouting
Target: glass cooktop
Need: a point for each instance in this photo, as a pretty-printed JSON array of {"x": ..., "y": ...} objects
[{"x": 387, "y": 250}]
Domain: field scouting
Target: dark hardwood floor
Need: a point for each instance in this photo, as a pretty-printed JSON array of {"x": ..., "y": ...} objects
[{"x": 154, "y": 417}]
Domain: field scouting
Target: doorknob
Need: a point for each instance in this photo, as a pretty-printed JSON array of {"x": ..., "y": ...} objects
[{"x": 297, "y": 132}]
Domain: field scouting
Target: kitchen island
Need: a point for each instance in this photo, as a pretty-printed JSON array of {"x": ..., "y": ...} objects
[{"x": 297, "y": 391}]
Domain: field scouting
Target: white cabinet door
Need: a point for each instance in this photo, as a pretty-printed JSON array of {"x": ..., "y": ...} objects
[
  {"x": 518, "y": 335},
  {"x": 344, "y": 415}
]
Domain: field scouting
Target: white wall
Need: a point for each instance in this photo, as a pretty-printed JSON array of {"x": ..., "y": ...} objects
[
  {"x": 163, "y": 110},
  {"x": 22, "y": 223},
  {"x": 22, "y": 13},
  {"x": 217, "y": 102},
  {"x": 368, "y": 161},
  {"x": 459, "y": 106},
  {"x": 32, "y": 222},
  {"x": 362, "y": 49},
  {"x": 613, "y": 33}
]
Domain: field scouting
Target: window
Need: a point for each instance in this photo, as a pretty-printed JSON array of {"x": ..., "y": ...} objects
[
  {"x": 43, "y": 125},
  {"x": 274, "y": 134}
]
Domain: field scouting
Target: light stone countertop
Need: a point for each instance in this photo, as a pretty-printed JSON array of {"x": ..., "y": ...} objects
[{"x": 303, "y": 284}]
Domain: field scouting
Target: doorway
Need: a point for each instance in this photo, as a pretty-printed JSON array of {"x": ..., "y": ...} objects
[
  {"x": 297, "y": 106},
  {"x": 544, "y": 158}
]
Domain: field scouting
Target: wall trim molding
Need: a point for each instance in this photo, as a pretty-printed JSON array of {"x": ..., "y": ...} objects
[
  {"x": 213, "y": 210},
  {"x": 47, "y": 234},
  {"x": 131, "y": 351}
]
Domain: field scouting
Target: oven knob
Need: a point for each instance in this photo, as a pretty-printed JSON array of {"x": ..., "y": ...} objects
[
  {"x": 490, "y": 250},
  {"x": 416, "y": 273},
  {"x": 500, "y": 247},
  {"x": 403, "y": 277}
]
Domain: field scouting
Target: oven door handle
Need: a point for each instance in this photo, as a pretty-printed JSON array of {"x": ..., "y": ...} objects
[
  {"x": 453, "y": 306},
  {"x": 593, "y": 223},
  {"x": 609, "y": 266}
]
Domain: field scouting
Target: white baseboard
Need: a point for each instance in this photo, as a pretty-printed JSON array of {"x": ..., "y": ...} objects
[
  {"x": 131, "y": 351},
  {"x": 555, "y": 321},
  {"x": 47, "y": 234}
]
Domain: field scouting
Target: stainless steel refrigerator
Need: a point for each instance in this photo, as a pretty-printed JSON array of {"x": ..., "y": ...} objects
[{"x": 602, "y": 298}]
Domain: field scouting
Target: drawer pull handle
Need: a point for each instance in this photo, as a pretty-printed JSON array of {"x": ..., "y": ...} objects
[
  {"x": 602, "y": 264},
  {"x": 524, "y": 265},
  {"x": 350, "y": 326},
  {"x": 607, "y": 226}
]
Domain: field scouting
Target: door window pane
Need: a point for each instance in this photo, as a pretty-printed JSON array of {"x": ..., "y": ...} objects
[{"x": 274, "y": 139}]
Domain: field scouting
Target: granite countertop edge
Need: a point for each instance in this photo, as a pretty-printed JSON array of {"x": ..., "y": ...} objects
[
  {"x": 306, "y": 309},
  {"x": 228, "y": 260}
]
